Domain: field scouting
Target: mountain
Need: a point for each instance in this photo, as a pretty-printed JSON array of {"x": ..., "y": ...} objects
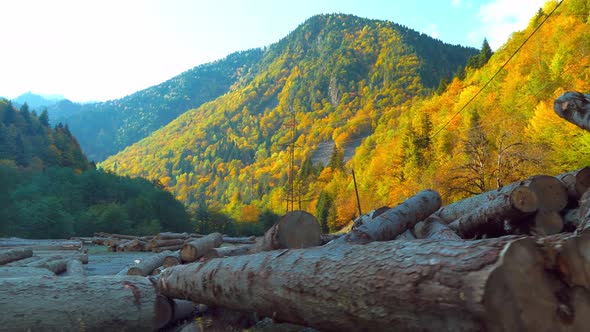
[
  {"x": 107, "y": 127},
  {"x": 325, "y": 85},
  {"x": 50, "y": 190},
  {"x": 36, "y": 101},
  {"x": 28, "y": 141}
]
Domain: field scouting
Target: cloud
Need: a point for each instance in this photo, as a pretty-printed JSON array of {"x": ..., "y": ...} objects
[
  {"x": 456, "y": 3},
  {"x": 432, "y": 30},
  {"x": 500, "y": 18}
]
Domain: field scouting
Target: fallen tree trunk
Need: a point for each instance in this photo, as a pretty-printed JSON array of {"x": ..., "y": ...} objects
[
  {"x": 550, "y": 194},
  {"x": 406, "y": 236},
  {"x": 167, "y": 248},
  {"x": 482, "y": 285},
  {"x": 166, "y": 242},
  {"x": 74, "y": 268},
  {"x": 433, "y": 228},
  {"x": 14, "y": 255},
  {"x": 394, "y": 221},
  {"x": 24, "y": 262},
  {"x": 116, "y": 236},
  {"x": 172, "y": 259},
  {"x": 547, "y": 223},
  {"x": 170, "y": 235},
  {"x": 97, "y": 303},
  {"x": 575, "y": 108},
  {"x": 195, "y": 249},
  {"x": 296, "y": 229},
  {"x": 15, "y": 271},
  {"x": 229, "y": 251},
  {"x": 239, "y": 240},
  {"x": 576, "y": 183},
  {"x": 490, "y": 218},
  {"x": 146, "y": 266}
]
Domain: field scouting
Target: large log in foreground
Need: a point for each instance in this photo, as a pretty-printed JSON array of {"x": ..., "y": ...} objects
[
  {"x": 393, "y": 222},
  {"x": 501, "y": 284},
  {"x": 97, "y": 303}
]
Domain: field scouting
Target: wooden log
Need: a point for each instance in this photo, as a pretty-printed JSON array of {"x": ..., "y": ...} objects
[
  {"x": 74, "y": 268},
  {"x": 146, "y": 266},
  {"x": 122, "y": 245},
  {"x": 483, "y": 285},
  {"x": 433, "y": 228},
  {"x": 167, "y": 242},
  {"x": 57, "y": 266},
  {"x": 576, "y": 182},
  {"x": 16, "y": 271},
  {"x": 574, "y": 107},
  {"x": 24, "y": 262},
  {"x": 167, "y": 248},
  {"x": 584, "y": 212},
  {"x": 489, "y": 219},
  {"x": 170, "y": 235},
  {"x": 95, "y": 303},
  {"x": 157, "y": 271},
  {"x": 11, "y": 255},
  {"x": 406, "y": 236},
  {"x": 550, "y": 195},
  {"x": 229, "y": 251},
  {"x": 329, "y": 237},
  {"x": 116, "y": 236},
  {"x": 298, "y": 229},
  {"x": 239, "y": 240},
  {"x": 394, "y": 221},
  {"x": 195, "y": 249},
  {"x": 547, "y": 223},
  {"x": 172, "y": 259}
]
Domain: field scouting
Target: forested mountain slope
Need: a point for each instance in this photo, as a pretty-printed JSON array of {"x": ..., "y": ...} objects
[
  {"x": 105, "y": 128},
  {"x": 327, "y": 83}
]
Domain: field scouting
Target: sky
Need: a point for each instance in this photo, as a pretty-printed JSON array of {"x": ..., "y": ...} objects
[{"x": 97, "y": 50}]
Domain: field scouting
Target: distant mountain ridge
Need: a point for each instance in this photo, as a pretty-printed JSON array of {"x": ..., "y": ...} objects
[
  {"x": 327, "y": 82},
  {"x": 104, "y": 128}
]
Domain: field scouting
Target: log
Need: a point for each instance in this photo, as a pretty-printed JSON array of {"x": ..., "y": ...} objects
[
  {"x": 7, "y": 256},
  {"x": 547, "y": 223},
  {"x": 74, "y": 268},
  {"x": 584, "y": 212},
  {"x": 24, "y": 262},
  {"x": 239, "y": 240},
  {"x": 229, "y": 251},
  {"x": 574, "y": 107},
  {"x": 146, "y": 266},
  {"x": 429, "y": 285},
  {"x": 394, "y": 221},
  {"x": 96, "y": 303},
  {"x": 489, "y": 219},
  {"x": 167, "y": 248},
  {"x": 298, "y": 229},
  {"x": 116, "y": 236},
  {"x": 406, "y": 236},
  {"x": 172, "y": 259},
  {"x": 576, "y": 182},
  {"x": 195, "y": 249},
  {"x": 15, "y": 271},
  {"x": 329, "y": 237},
  {"x": 550, "y": 195},
  {"x": 433, "y": 228},
  {"x": 166, "y": 242},
  {"x": 170, "y": 235}
]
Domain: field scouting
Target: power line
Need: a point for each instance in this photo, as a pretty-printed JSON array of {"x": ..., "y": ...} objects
[{"x": 498, "y": 71}]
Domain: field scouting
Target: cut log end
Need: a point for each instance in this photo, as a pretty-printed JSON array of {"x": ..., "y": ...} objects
[
  {"x": 551, "y": 193},
  {"x": 524, "y": 199},
  {"x": 548, "y": 222}
]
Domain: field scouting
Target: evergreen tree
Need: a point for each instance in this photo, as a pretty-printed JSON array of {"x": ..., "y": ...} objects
[{"x": 44, "y": 118}]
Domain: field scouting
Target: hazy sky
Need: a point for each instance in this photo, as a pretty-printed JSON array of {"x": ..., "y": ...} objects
[{"x": 106, "y": 49}]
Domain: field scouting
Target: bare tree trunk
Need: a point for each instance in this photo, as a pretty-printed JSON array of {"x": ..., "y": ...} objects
[
  {"x": 394, "y": 221},
  {"x": 14, "y": 255},
  {"x": 15, "y": 271},
  {"x": 490, "y": 218},
  {"x": 96, "y": 303},
  {"x": 433, "y": 228},
  {"x": 484, "y": 285},
  {"x": 146, "y": 266},
  {"x": 195, "y": 249},
  {"x": 575, "y": 108},
  {"x": 229, "y": 251}
]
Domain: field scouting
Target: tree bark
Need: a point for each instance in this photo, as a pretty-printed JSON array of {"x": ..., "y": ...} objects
[
  {"x": 97, "y": 303},
  {"x": 229, "y": 251},
  {"x": 394, "y": 221},
  {"x": 172, "y": 259},
  {"x": 15, "y": 271},
  {"x": 575, "y": 108},
  {"x": 116, "y": 236},
  {"x": 24, "y": 262},
  {"x": 170, "y": 235},
  {"x": 195, "y": 249},
  {"x": 576, "y": 183},
  {"x": 166, "y": 242},
  {"x": 433, "y": 228},
  {"x": 490, "y": 218},
  {"x": 550, "y": 195},
  {"x": 239, "y": 240},
  {"x": 146, "y": 266},
  {"x": 483, "y": 285},
  {"x": 74, "y": 268},
  {"x": 14, "y": 255},
  {"x": 168, "y": 248},
  {"x": 406, "y": 236}
]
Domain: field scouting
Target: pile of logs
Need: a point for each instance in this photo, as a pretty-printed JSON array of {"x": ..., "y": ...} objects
[
  {"x": 21, "y": 262},
  {"x": 155, "y": 243}
]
